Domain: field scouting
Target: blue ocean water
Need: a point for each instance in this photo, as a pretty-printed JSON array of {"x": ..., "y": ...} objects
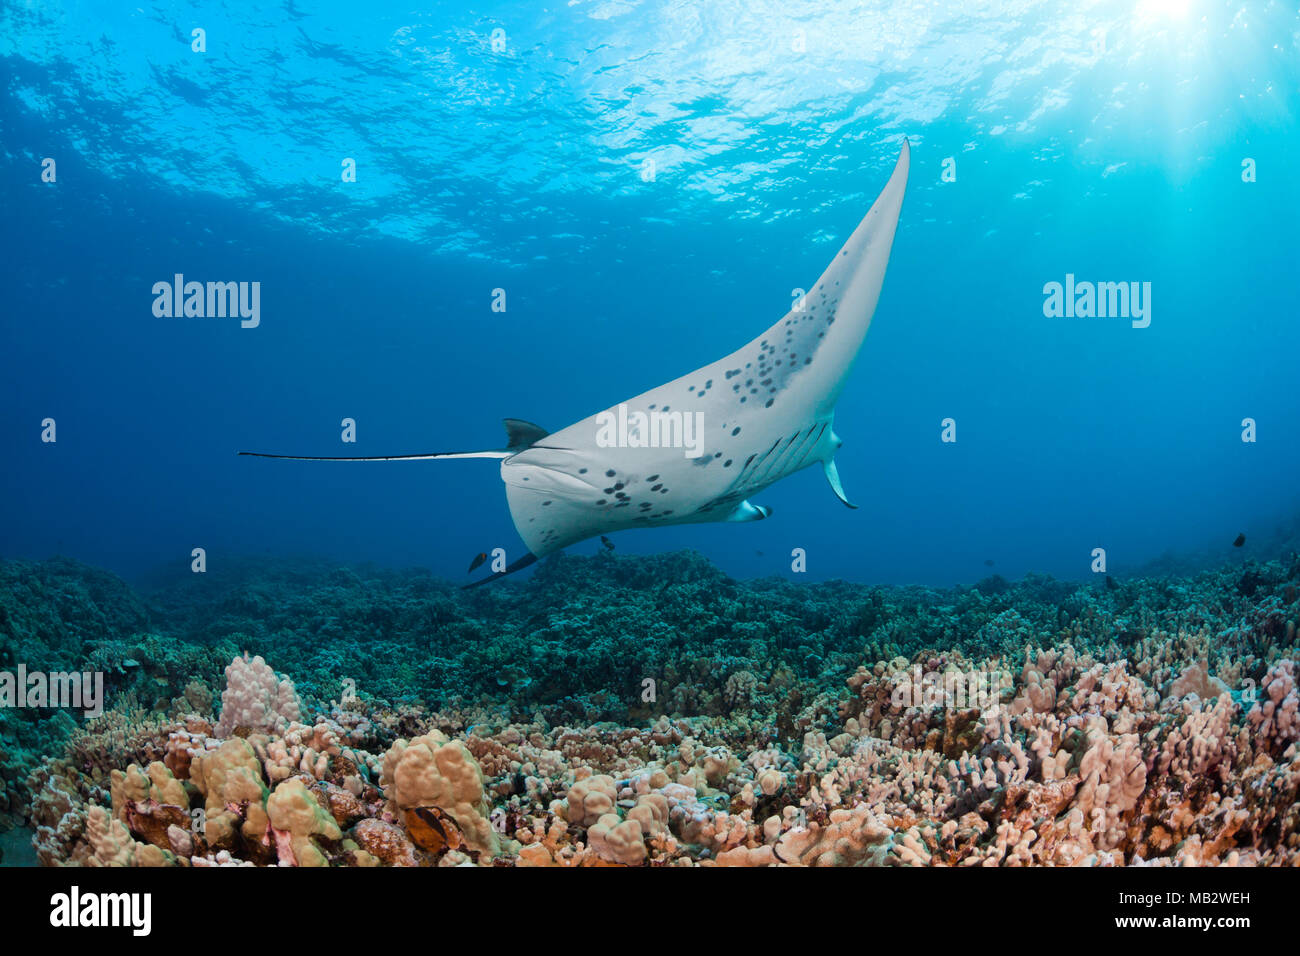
[{"x": 505, "y": 146}]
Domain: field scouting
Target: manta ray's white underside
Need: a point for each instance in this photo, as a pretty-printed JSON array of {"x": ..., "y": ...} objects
[{"x": 764, "y": 412}]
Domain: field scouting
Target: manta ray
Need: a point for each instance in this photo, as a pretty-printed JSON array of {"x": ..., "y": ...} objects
[{"x": 752, "y": 418}]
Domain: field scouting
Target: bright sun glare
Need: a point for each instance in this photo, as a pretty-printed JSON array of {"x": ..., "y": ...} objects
[{"x": 1163, "y": 9}]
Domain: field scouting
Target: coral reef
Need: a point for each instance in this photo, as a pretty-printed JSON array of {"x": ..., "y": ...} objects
[{"x": 617, "y": 711}]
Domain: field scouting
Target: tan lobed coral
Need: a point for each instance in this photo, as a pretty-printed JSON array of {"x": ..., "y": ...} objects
[
  {"x": 430, "y": 771},
  {"x": 298, "y": 822}
]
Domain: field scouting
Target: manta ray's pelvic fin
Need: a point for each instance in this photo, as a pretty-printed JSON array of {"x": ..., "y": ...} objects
[
  {"x": 514, "y": 566},
  {"x": 747, "y": 512},
  {"x": 521, "y": 434},
  {"x": 833, "y": 476}
]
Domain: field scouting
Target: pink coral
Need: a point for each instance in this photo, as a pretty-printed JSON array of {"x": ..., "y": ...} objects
[{"x": 256, "y": 699}]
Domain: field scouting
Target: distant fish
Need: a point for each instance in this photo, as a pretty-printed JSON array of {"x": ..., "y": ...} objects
[
  {"x": 478, "y": 559},
  {"x": 759, "y": 553},
  {"x": 988, "y": 562},
  {"x": 1241, "y": 539},
  {"x": 609, "y": 545}
]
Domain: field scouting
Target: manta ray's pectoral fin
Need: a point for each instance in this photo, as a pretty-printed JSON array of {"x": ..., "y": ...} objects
[
  {"x": 521, "y": 434},
  {"x": 833, "y": 476},
  {"x": 747, "y": 512},
  {"x": 514, "y": 566}
]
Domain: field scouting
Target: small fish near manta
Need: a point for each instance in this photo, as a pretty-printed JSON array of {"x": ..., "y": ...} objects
[{"x": 767, "y": 410}]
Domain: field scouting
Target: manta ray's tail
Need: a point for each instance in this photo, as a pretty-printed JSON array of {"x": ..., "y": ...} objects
[
  {"x": 514, "y": 566},
  {"x": 433, "y": 454},
  {"x": 519, "y": 435}
]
